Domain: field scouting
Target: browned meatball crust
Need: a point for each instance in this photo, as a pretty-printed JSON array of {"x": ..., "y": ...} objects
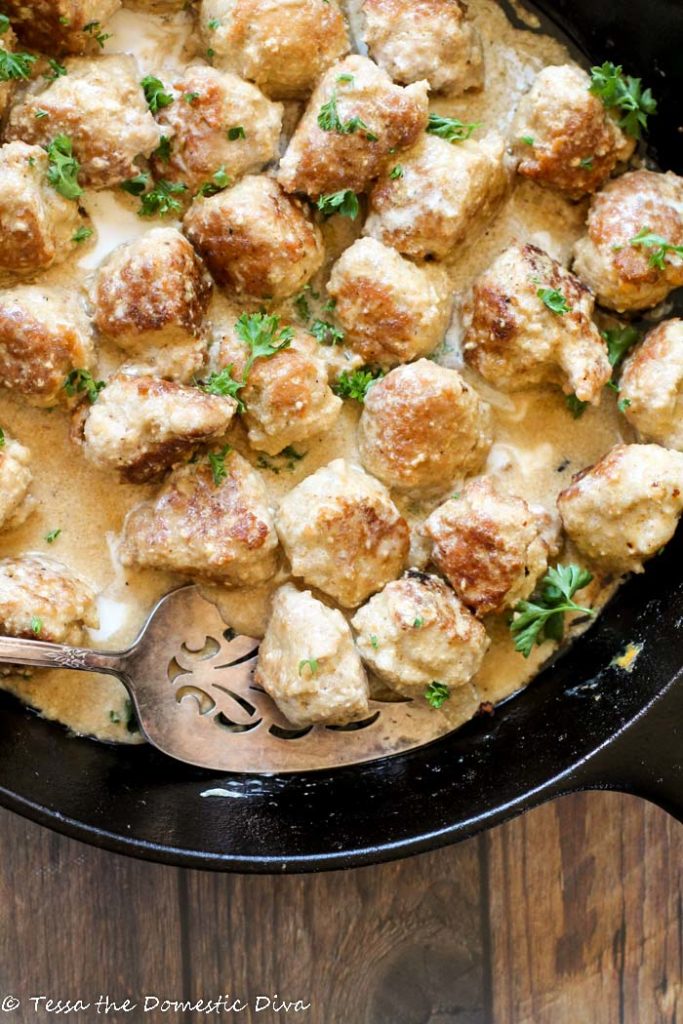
[
  {"x": 60, "y": 26},
  {"x": 41, "y": 599}
]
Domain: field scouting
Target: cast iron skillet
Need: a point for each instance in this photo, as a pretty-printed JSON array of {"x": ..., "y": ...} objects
[{"x": 582, "y": 724}]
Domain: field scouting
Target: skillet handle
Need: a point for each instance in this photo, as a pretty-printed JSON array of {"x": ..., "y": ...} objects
[{"x": 646, "y": 759}]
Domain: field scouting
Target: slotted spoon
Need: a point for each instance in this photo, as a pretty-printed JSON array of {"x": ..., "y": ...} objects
[{"x": 190, "y": 678}]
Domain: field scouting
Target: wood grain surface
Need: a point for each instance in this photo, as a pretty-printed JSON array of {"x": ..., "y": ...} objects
[{"x": 570, "y": 915}]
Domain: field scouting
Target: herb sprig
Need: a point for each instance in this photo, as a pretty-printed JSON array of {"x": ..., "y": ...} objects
[
  {"x": 155, "y": 93},
  {"x": 542, "y": 618},
  {"x": 82, "y": 382},
  {"x": 63, "y": 167},
  {"x": 451, "y": 128},
  {"x": 356, "y": 384},
  {"x": 15, "y": 66},
  {"x": 437, "y": 694},
  {"x": 659, "y": 247},
  {"x": 344, "y": 203},
  {"x": 624, "y": 93}
]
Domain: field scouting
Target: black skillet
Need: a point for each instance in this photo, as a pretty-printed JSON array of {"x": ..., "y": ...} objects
[{"x": 582, "y": 724}]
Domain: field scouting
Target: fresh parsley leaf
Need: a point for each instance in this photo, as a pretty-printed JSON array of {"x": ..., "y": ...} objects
[
  {"x": 40, "y": 114},
  {"x": 310, "y": 663},
  {"x": 527, "y": 140},
  {"x": 220, "y": 181},
  {"x": 63, "y": 168},
  {"x": 237, "y": 132},
  {"x": 586, "y": 163},
  {"x": 155, "y": 93},
  {"x": 329, "y": 121},
  {"x": 554, "y": 300},
  {"x": 82, "y": 234},
  {"x": 137, "y": 185},
  {"x": 619, "y": 341},
  {"x": 94, "y": 29},
  {"x": 190, "y": 97},
  {"x": 213, "y": 24},
  {"x": 57, "y": 70},
  {"x": 262, "y": 333},
  {"x": 542, "y": 618},
  {"x": 163, "y": 150},
  {"x": 346, "y": 77},
  {"x": 82, "y": 382},
  {"x": 326, "y": 333},
  {"x": 623, "y": 404},
  {"x": 396, "y": 172},
  {"x": 15, "y": 66},
  {"x": 36, "y": 625},
  {"x": 160, "y": 201},
  {"x": 659, "y": 247},
  {"x": 344, "y": 203},
  {"x": 576, "y": 407},
  {"x": 217, "y": 463},
  {"x": 374, "y": 642},
  {"x": 451, "y": 128},
  {"x": 51, "y": 537},
  {"x": 418, "y": 623},
  {"x": 437, "y": 694},
  {"x": 355, "y": 385},
  {"x": 302, "y": 307},
  {"x": 624, "y": 93},
  {"x": 2, "y": 438},
  {"x": 223, "y": 383}
]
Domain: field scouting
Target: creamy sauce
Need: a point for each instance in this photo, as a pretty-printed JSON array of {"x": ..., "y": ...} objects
[{"x": 537, "y": 443}]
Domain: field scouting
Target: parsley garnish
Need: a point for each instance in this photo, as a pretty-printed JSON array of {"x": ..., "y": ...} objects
[
  {"x": 163, "y": 150},
  {"x": 81, "y": 235},
  {"x": 160, "y": 201},
  {"x": 621, "y": 92},
  {"x": 542, "y": 618},
  {"x": 326, "y": 333},
  {"x": 437, "y": 694},
  {"x": 302, "y": 307},
  {"x": 82, "y": 381},
  {"x": 220, "y": 181},
  {"x": 224, "y": 384},
  {"x": 355, "y": 385},
  {"x": 344, "y": 203},
  {"x": 261, "y": 332},
  {"x": 137, "y": 185},
  {"x": 576, "y": 407},
  {"x": 190, "y": 97},
  {"x": 237, "y": 132},
  {"x": 51, "y": 537},
  {"x": 93, "y": 28},
  {"x": 57, "y": 70},
  {"x": 2, "y": 438},
  {"x": 217, "y": 463},
  {"x": 554, "y": 300},
  {"x": 619, "y": 341},
  {"x": 213, "y": 24},
  {"x": 451, "y": 128},
  {"x": 623, "y": 404},
  {"x": 329, "y": 121},
  {"x": 62, "y": 172},
  {"x": 418, "y": 623},
  {"x": 14, "y": 66},
  {"x": 527, "y": 140},
  {"x": 396, "y": 172},
  {"x": 374, "y": 642},
  {"x": 4, "y": 24},
  {"x": 155, "y": 93},
  {"x": 659, "y": 247},
  {"x": 586, "y": 163},
  {"x": 36, "y": 625},
  {"x": 310, "y": 663},
  {"x": 40, "y": 114}
]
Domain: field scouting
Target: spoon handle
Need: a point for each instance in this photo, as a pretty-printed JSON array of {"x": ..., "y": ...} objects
[{"x": 39, "y": 654}]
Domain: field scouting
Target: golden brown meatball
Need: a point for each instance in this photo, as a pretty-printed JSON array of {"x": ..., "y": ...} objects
[
  {"x": 391, "y": 310},
  {"x": 150, "y": 297},
  {"x": 529, "y": 322},
  {"x": 416, "y": 631},
  {"x": 564, "y": 136},
  {"x": 15, "y": 480},
  {"x": 651, "y": 386},
  {"x": 422, "y": 426},
  {"x": 37, "y": 224},
  {"x": 491, "y": 547},
  {"x": 342, "y": 533},
  {"x": 140, "y": 426},
  {"x": 41, "y": 599},
  {"x": 8, "y": 45},
  {"x": 60, "y": 26},
  {"x": 622, "y": 510},
  {"x": 217, "y": 122},
  {"x": 287, "y": 397},
  {"x": 44, "y": 335},
  {"x": 282, "y": 45},
  {"x": 425, "y": 39},
  {"x": 308, "y": 662},
  {"x": 210, "y": 520},
  {"x": 623, "y": 275},
  {"x": 355, "y": 117},
  {"x": 256, "y": 240},
  {"x": 99, "y": 105},
  {"x": 445, "y": 192}
]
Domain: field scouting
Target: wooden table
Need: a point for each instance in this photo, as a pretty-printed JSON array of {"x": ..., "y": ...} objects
[{"x": 570, "y": 915}]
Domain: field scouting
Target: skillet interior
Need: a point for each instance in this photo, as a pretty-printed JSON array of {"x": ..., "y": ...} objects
[{"x": 540, "y": 744}]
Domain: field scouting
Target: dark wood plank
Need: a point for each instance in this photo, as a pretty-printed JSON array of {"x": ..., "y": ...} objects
[{"x": 585, "y": 899}]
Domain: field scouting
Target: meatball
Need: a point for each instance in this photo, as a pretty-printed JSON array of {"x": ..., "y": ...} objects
[
  {"x": 422, "y": 426},
  {"x": 37, "y": 224},
  {"x": 150, "y": 297},
  {"x": 564, "y": 136},
  {"x": 622, "y": 510},
  {"x": 60, "y": 26},
  {"x": 308, "y": 662},
  {"x": 140, "y": 426},
  {"x": 651, "y": 386},
  {"x": 15, "y": 480},
  {"x": 99, "y": 105},
  {"x": 44, "y": 335},
  {"x": 492, "y": 548},
  {"x": 621, "y": 274},
  {"x": 282, "y": 45},
  {"x": 7, "y": 45},
  {"x": 529, "y": 322},
  {"x": 256, "y": 239},
  {"x": 416, "y": 631},
  {"x": 445, "y": 191},
  {"x": 342, "y": 533},
  {"x": 425, "y": 39},
  {"x": 41, "y": 599},
  {"x": 287, "y": 397},
  {"x": 217, "y": 122},
  {"x": 210, "y": 520},
  {"x": 391, "y": 310},
  {"x": 355, "y": 117}
]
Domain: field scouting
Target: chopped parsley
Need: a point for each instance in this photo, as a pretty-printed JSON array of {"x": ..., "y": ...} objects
[
  {"x": 586, "y": 163},
  {"x": 437, "y": 694},
  {"x": 137, "y": 185},
  {"x": 51, "y": 537},
  {"x": 262, "y": 333},
  {"x": 40, "y": 114},
  {"x": 94, "y": 29},
  {"x": 418, "y": 623},
  {"x": 451, "y": 128},
  {"x": 36, "y": 625},
  {"x": 221, "y": 179},
  {"x": 329, "y": 121},
  {"x": 224, "y": 384},
  {"x": 619, "y": 341},
  {"x": 163, "y": 150},
  {"x": 2, "y": 438},
  {"x": 623, "y": 93},
  {"x": 161, "y": 200},
  {"x": 213, "y": 24},
  {"x": 344, "y": 203},
  {"x": 63, "y": 168},
  {"x": 237, "y": 132},
  {"x": 326, "y": 333},
  {"x": 15, "y": 66},
  {"x": 57, "y": 70},
  {"x": 346, "y": 77},
  {"x": 155, "y": 93},
  {"x": 554, "y": 300},
  {"x": 659, "y": 247},
  {"x": 302, "y": 307},
  {"x": 81, "y": 235},
  {"x": 190, "y": 97},
  {"x": 374, "y": 642},
  {"x": 82, "y": 382},
  {"x": 396, "y": 172},
  {"x": 527, "y": 140},
  {"x": 356, "y": 384},
  {"x": 217, "y": 463},
  {"x": 576, "y": 407},
  {"x": 542, "y": 618},
  {"x": 310, "y": 663},
  {"x": 623, "y": 404}
]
